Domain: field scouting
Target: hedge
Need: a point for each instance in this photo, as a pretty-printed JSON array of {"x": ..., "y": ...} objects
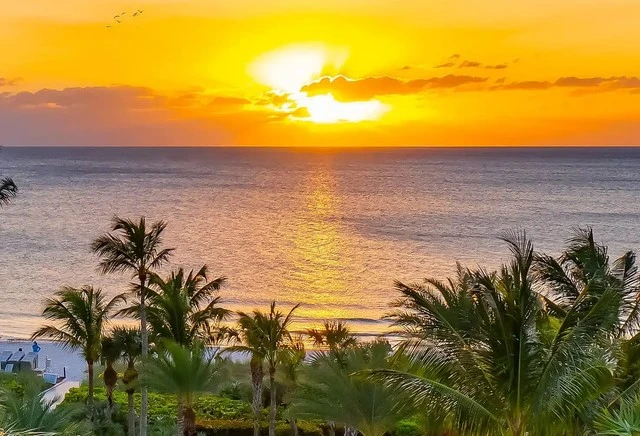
[
  {"x": 163, "y": 406},
  {"x": 227, "y": 427}
]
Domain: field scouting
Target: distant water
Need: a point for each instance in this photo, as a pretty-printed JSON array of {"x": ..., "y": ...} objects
[{"x": 331, "y": 229}]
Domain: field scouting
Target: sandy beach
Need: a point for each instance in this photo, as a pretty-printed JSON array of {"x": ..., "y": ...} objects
[{"x": 60, "y": 358}]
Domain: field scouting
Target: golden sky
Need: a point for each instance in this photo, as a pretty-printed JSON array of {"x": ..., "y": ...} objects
[{"x": 330, "y": 72}]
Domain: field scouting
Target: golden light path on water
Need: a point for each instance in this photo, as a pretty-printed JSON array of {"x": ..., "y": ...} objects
[{"x": 331, "y": 229}]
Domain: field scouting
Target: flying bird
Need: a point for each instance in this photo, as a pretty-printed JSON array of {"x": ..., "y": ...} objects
[
  {"x": 115, "y": 17},
  {"x": 108, "y": 27}
]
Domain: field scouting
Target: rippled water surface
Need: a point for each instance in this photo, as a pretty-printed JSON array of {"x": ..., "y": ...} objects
[{"x": 331, "y": 229}]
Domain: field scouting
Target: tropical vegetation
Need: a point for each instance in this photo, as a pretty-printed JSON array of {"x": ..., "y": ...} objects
[{"x": 544, "y": 345}]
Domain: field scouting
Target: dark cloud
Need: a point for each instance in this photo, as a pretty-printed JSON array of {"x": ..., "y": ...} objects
[
  {"x": 343, "y": 88},
  {"x": 625, "y": 82},
  {"x": 579, "y": 81},
  {"x": 406, "y": 67},
  {"x": 445, "y": 65},
  {"x": 597, "y": 84},
  {"x": 527, "y": 85},
  {"x": 470, "y": 64},
  {"x": 496, "y": 67},
  {"x": 454, "y": 57},
  {"x": 123, "y": 115},
  {"x": 501, "y": 80}
]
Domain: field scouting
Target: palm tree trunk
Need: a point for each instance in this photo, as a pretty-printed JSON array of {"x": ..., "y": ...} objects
[
  {"x": 145, "y": 353},
  {"x": 293, "y": 425},
  {"x": 256, "y": 404},
  {"x": 180, "y": 430},
  {"x": 90, "y": 396},
  {"x": 131, "y": 416},
  {"x": 189, "y": 417},
  {"x": 273, "y": 401},
  {"x": 332, "y": 428}
]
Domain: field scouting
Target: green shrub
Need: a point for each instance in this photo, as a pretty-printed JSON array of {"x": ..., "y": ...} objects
[
  {"x": 408, "y": 427},
  {"x": 164, "y": 407},
  {"x": 230, "y": 427}
]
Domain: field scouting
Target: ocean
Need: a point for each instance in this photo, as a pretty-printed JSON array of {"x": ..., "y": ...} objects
[{"x": 329, "y": 228}]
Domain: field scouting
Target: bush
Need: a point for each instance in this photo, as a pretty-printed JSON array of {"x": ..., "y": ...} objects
[
  {"x": 164, "y": 407},
  {"x": 229, "y": 427},
  {"x": 408, "y": 427}
]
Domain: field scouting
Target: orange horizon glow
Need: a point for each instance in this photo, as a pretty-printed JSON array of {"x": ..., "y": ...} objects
[{"x": 339, "y": 73}]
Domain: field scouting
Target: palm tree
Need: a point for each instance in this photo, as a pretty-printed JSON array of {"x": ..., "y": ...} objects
[
  {"x": 8, "y": 190},
  {"x": 583, "y": 275},
  {"x": 622, "y": 422},
  {"x": 132, "y": 248},
  {"x": 29, "y": 414},
  {"x": 291, "y": 362},
  {"x": 182, "y": 307},
  {"x": 185, "y": 372},
  {"x": 264, "y": 336},
  {"x": 82, "y": 314},
  {"x": 330, "y": 391},
  {"x": 487, "y": 349},
  {"x": 109, "y": 354},
  {"x": 129, "y": 343},
  {"x": 336, "y": 338}
]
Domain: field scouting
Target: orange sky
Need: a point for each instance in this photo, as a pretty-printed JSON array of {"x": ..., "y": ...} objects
[{"x": 331, "y": 72}]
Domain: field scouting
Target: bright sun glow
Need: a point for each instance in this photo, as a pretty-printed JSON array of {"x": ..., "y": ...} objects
[
  {"x": 325, "y": 109},
  {"x": 288, "y": 69}
]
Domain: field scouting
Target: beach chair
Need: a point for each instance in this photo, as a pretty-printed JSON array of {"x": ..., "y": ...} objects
[
  {"x": 15, "y": 360},
  {"x": 4, "y": 358},
  {"x": 8, "y": 368},
  {"x": 50, "y": 378},
  {"x": 29, "y": 362}
]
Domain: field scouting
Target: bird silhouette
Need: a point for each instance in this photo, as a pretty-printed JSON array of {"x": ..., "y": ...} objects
[{"x": 108, "y": 27}]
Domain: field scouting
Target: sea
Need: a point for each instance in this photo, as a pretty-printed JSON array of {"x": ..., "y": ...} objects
[{"x": 331, "y": 229}]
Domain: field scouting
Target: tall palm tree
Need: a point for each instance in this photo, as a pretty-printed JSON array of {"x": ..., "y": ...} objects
[
  {"x": 336, "y": 338},
  {"x": 81, "y": 314},
  {"x": 185, "y": 372},
  {"x": 134, "y": 248},
  {"x": 264, "y": 336},
  {"x": 291, "y": 363},
  {"x": 334, "y": 391},
  {"x": 252, "y": 344},
  {"x": 129, "y": 343},
  {"x": 183, "y": 307},
  {"x": 8, "y": 190},
  {"x": 485, "y": 348}
]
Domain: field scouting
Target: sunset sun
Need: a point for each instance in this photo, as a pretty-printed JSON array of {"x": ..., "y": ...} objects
[{"x": 287, "y": 70}]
